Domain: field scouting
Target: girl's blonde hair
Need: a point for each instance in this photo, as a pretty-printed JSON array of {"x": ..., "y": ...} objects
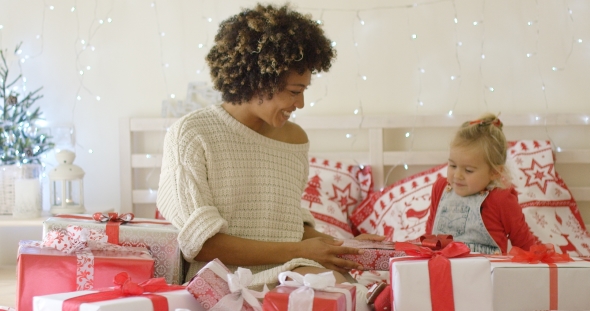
[{"x": 486, "y": 134}]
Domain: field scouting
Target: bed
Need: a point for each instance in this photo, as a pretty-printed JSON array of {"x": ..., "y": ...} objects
[
  {"x": 395, "y": 147},
  {"x": 373, "y": 173}
]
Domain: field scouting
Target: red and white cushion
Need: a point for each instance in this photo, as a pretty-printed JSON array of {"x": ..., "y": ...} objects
[
  {"x": 548, "y": 206},
  {"x": 399, "y": 211},
  {"x": 333, "y": 191}
]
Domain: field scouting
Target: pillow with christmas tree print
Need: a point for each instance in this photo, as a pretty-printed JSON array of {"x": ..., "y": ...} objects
[
  {"x": 333, "y": 191},
  {"x": 400, "y": 210},
  {"x": 548, "y": 206}
]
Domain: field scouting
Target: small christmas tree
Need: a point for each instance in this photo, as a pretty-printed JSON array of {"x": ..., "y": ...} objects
[{"x": 21, "y": 140}]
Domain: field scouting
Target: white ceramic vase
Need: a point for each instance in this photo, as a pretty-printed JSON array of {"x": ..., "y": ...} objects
[{"x": 21, "y": 190}]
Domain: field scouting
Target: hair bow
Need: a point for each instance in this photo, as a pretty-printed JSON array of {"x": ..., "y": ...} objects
[{"x": 496, "y": 122}]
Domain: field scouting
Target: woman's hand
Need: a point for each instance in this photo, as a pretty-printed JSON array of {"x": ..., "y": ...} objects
[{"x": 325, "y": 251}]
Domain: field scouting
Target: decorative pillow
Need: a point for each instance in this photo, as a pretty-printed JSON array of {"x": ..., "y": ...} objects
[
  {"x": 399, "y": 211},
  {"x": 548, "y": 206},
  {"x": 334, "y": 190}
]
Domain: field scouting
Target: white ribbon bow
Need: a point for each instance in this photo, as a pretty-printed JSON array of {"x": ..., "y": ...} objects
[
  {"x": 76, "y": 239},
  {"x": 238, "y": 285},
  {"x": 301, "y": 299}
]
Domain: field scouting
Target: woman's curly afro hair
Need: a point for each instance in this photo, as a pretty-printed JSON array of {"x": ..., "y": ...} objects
[{"x": 255, "y": 50}]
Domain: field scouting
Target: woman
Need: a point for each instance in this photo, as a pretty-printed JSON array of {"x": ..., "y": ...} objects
[{"x": 233, "y": 174}]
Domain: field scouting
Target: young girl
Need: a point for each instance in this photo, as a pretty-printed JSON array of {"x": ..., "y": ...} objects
[{"x": 477, "y": 203}]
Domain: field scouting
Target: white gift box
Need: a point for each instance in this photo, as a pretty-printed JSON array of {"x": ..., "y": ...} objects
[
  {"x": 179, "y": 299},
  {"x": 523, "y": 286},
  {"x": 472, "y": 286}
]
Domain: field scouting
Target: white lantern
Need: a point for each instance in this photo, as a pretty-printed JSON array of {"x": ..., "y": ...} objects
[{"x": 66, "y": 187}]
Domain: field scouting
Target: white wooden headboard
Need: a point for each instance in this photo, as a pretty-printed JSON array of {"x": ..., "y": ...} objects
[{"x": 394, "y": 146}]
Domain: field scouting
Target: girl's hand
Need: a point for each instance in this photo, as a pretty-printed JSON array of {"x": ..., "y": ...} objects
[
  {"x": 370, "y": 237},
  {"x": 325, "y": 251}
]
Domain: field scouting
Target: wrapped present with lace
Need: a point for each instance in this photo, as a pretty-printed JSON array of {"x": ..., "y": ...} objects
[
  {"x": 158, "y": 236},
  {"x": 74, "y": 259},
  {"x": 309, "y": 292},
  {"x": 448, "y": 278},
  {"x": 375, "y": 255},
  {"x": 153, "y": 294},
  {"x": 218, "y": 289},
  {"x": 540, "y": 279}
]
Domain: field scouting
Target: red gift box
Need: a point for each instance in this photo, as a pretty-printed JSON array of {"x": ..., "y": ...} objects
[
  {"x": 214, "y": 286},
  {"x": 320, "y": 293},
  {"x": 160, "y": 237},
  {"x": 376, "y": 255},
  {"x": 45, "y": 270}
]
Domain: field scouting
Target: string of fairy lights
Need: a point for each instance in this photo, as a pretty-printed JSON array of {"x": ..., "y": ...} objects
[
  {"x": 534, "y": 54},
  {"x": 85, "y": 43},
  {"x": 486, "y": 89},
  {"x": 362, "y": 77}
]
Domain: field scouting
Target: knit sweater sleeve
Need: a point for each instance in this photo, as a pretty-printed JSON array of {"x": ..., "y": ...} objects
[{"x": 184, "y": 197}]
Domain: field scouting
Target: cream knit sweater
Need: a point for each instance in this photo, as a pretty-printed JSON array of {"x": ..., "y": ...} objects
[{"x": 220, "y": 176}]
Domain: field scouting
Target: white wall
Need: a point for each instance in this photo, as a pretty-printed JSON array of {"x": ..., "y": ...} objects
[{"x": 134, "y": 67}]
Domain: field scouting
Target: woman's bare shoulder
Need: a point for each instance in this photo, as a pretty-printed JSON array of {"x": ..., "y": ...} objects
[{"x": 294, "y": 134}]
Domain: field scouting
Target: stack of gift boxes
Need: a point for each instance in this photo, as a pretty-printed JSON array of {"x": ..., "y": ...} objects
[
  {"x": 446, "y": 276},
  {"x": 112, "y": 262},
  {"x": 109, "y": 254}
]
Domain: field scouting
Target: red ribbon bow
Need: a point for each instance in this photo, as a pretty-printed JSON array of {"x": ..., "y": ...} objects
[
  {"x": 129, "y": 288},
  {"x": 113, "y": 221},
  {"x": 123, "y": 218},
  {"x": 544, "y": 253},
  {"x": 439, "y": 269},
  {"x": 125, "y": 288},
  {"x": 436, "y": 242}
]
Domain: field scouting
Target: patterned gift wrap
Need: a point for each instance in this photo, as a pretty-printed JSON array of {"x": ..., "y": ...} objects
[
  {"x": 46, "y": 270},
  {"x": 215, "y": 287},
  {"x": 310, "y": 292},
  {"x": 160, "y": 237},
  {"x": 376, "y": 255}
]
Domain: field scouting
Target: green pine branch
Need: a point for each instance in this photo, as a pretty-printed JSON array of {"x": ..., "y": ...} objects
[{"x": 21, "y": 140}]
